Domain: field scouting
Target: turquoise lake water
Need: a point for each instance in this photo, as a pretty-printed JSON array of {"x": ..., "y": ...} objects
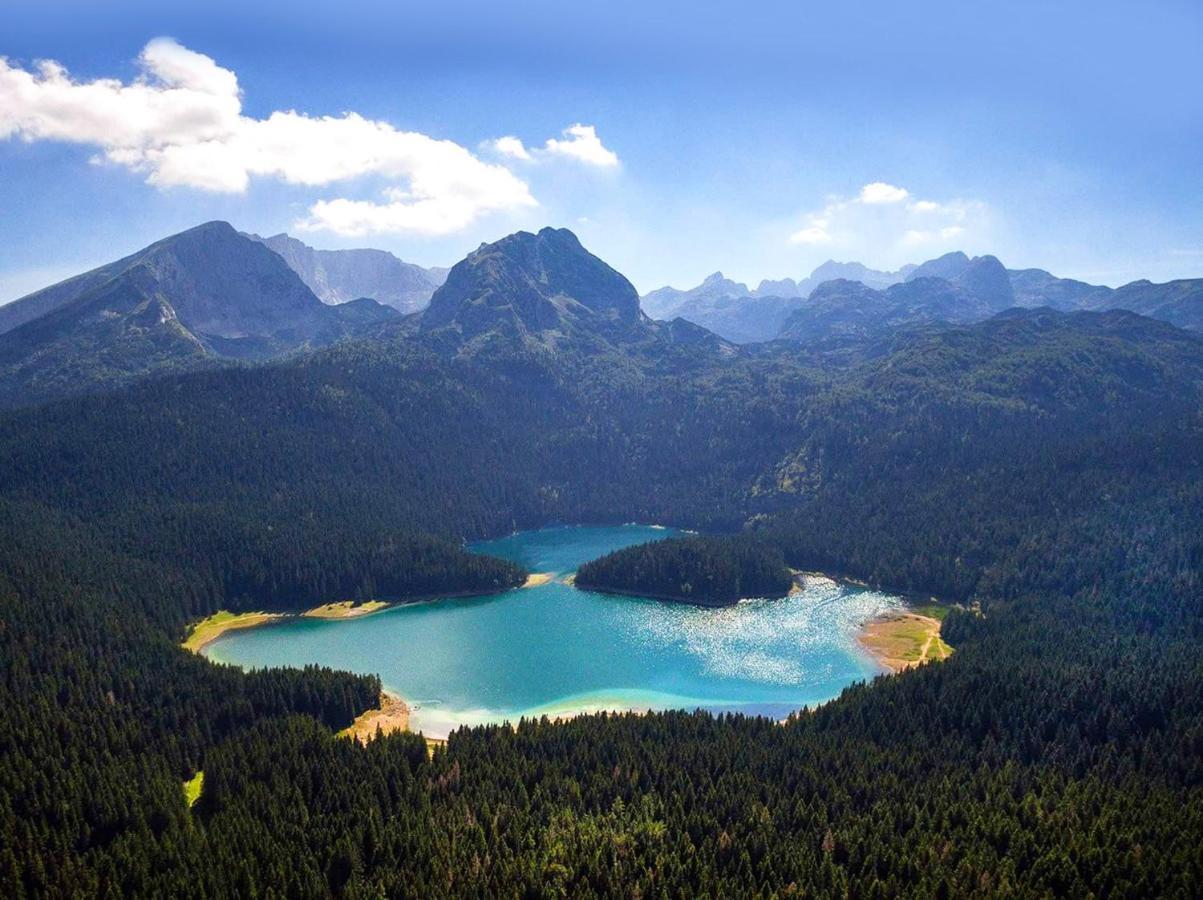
[{"x": 555, "y": 649}]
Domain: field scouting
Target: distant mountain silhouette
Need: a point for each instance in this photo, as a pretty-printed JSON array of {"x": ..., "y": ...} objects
[
  {"x": 666, "y": 302},
  {"x": 850, "y": 311},
  {"x": 948, "y": 266},
  {"x": 337, "y": 276},
  {"x": 729, "y": 309},
  {"x": 851, "y": 271},
  {"x": 1036, "y": 287},
  {"x": 955, "y": 289}
]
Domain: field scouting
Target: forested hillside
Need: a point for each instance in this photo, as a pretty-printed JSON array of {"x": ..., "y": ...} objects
[{"x": 1046, "y": 468}]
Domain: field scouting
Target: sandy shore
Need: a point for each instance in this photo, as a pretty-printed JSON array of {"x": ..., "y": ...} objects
[
  {"x": 392, "y": 715},
  {"x": 901, "y": 640},
  {"x": 347, "y": 609},
  {"x": 206, "y": 631},
  {"x": 534, "y": 579}
]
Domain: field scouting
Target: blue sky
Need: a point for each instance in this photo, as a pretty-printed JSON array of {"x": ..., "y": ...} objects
[{"x": 756, "y": 141}]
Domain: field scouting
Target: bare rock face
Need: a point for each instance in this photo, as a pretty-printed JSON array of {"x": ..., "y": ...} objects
[{"x": 338, "y": 276}]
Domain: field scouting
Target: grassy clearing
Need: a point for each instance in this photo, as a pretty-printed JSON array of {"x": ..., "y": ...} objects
[
  {"x": 902, "y": 640},
  {"x": 208, "y": 630},
  {"x": 346, "y": 609},
  {"x": 193, "y": 787},
  {"x": 937, "y": 611}
]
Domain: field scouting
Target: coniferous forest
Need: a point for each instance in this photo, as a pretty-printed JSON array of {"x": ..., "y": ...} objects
[
  {"x": 657, "y": 451},
  {"x": 1043, "y": 471},
  {"x": 707, "y": 571}
]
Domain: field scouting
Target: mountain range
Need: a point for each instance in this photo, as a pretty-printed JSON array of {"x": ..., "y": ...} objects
[
  {"x": 833, "y": 303},
  {"x": 211, "y": 295},
  {"x": 730, "y": 309}
]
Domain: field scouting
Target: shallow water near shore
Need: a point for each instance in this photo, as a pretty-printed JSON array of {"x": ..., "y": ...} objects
[{"x": 556, "y": 650}]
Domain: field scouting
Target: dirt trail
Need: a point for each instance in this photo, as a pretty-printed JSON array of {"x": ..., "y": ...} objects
[
  {"x": 892, "y": 639},
  {"x": 927, "y": 644}
]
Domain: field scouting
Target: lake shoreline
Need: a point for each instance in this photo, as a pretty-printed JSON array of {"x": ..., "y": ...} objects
[
  {"x": 209, "y": 629},
  {"x": 742, "y": 658},
  {"x": 203, "y": 633},
  {"x": 389, "y": 715},
  {"x": 902, "y": 640}
]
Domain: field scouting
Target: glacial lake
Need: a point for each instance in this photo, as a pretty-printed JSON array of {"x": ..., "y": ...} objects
[{"x": 554, "y": 649}]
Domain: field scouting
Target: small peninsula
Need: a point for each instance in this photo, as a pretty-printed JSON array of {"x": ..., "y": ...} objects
[
  {"x": 903, "y": 640},
  {"x": 704, "y": 571},
  {"x": 480, "y": 575}
]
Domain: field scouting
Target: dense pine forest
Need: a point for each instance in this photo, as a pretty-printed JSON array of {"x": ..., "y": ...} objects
[
  {"x": 707, "y": 571},
  {"x": 1043, "y": 469}
]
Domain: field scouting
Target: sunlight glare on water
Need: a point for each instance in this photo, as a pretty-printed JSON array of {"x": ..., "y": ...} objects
[{"x": 554, "y": 649}]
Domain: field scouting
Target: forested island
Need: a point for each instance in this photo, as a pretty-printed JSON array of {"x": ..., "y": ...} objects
[{"x": 707, "y": 571}]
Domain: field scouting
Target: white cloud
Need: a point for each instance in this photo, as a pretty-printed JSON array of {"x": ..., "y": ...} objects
[
  {"x": 180, "y": 122},
  {"x": 812, "y": 234},
  {"x": 509, "y": 146},
  {"x": 876, "y": 222},
  {"x": 583, "y": 145},
  {"x": 880, "y": 192},
  {"x": 580, "y": 144}
]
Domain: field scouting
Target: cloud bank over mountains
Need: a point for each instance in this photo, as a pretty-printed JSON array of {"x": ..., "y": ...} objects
[
  {"x": 884, "y": 215},
  {"x": 180, "y": 122}
]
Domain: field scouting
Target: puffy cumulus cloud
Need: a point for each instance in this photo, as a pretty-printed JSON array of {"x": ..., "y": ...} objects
[
  {"x": 883, "y": 217},
  {"x": 435, "y": 203},
  {"x": 580, "y": 143},
  {"x": 181, "y": 97},
  {"x": 510, "y": 146},
  {"x": 180, "y": 122},
  {"x": 880, "y": 192}
]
